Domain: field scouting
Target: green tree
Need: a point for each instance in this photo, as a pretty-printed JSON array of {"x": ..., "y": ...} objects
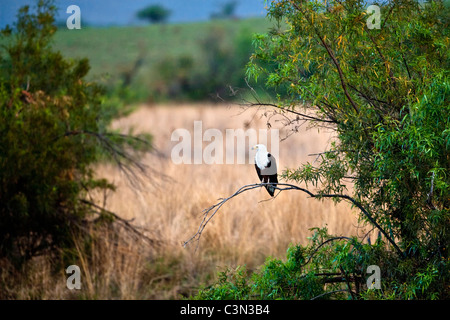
[
  {"x": 52, "y": 131},
  {"x": 227, "y": 10},
  {"x": 385, "y": 93},
  {"x": 154, "y": 14}
]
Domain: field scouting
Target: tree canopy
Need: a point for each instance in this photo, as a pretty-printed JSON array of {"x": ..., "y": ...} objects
[{"x": 154, "y": 14}]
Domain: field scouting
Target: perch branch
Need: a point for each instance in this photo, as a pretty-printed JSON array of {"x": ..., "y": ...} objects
[{"x": 210, "y": 212}]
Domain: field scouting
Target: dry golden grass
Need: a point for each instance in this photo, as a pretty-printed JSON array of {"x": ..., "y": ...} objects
[
  {"x": 173, "y": 209},
  {"x": 245, "y": 231}
]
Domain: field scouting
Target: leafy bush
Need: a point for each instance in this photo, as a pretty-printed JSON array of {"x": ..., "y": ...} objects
[
  {"x": 328, "y": 268},
  {"x": 305, "y": 274},
  {"x": 52, "y": 130},
  {"x": 227, "y": 11}
]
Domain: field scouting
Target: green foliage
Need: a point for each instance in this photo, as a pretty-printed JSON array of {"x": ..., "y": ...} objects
[
  {"x": 386, "y": 94},
  {"x": 154, "y": 14},
  {"x": 309, "y": 272},
  {"x": 275, "y": 281},
  {"x": 232, "y": 285},
  {"x": 52, "y": 130},
  {"x": 330, "y": 268}
]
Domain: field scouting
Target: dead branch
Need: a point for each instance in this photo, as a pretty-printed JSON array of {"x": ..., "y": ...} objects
[
  {"x": 299, "y": 116},
  {"x": 430, "y": 194},
  {"x": 124, "y": 222}
]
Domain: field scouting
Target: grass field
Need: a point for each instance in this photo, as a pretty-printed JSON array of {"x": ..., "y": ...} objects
[{"x": 246, "y": 230}]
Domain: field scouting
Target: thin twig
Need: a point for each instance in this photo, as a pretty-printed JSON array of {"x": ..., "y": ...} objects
[
  {"x": 125, "y": 223},
  {"x": 347, "y": 282},
  {"x": 321, "y": 245},
  {"x": 330, "y": 292}
]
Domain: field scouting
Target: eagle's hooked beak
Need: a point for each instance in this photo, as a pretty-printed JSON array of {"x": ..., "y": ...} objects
[{"x": 255, "y": 148}]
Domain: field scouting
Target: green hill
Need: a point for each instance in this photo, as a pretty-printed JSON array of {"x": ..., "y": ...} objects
[{"x": 186, "y": 61}]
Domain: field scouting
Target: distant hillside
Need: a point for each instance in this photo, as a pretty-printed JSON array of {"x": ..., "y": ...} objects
[{"x": 160, "y": 59}]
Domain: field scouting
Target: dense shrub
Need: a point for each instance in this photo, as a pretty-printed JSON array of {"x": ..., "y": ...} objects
[
  {"x": 52, "y": 130},
  {"x": 305, "y": 274}
]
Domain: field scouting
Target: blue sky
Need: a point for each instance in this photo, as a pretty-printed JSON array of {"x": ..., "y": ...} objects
[{"x": 120, "y": 12}]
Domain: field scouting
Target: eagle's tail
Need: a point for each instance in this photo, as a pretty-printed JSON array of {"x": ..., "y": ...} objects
[{"x": 271, "y": 188}]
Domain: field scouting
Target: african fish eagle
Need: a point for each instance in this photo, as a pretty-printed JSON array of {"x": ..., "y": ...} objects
[{"x": 266, "y": 167}]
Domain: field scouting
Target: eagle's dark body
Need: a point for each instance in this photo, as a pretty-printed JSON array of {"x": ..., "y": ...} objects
[{"x": 266, "y": 169}]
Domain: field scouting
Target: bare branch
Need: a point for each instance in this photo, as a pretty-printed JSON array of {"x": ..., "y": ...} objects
[
  {"x": 305, "y": 116},
  {"x": 124, "y": 222},
  {"x": 128, "y": 162}
]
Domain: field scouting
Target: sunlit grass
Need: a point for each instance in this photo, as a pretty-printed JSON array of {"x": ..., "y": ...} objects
[{"x": 244, "y": 232}]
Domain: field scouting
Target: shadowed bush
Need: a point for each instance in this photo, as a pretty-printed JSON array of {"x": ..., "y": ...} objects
[{"x": 52, "y": 130}]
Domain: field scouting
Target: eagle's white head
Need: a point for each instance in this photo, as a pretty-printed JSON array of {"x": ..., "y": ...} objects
[{"x": 259, "y": 147}]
